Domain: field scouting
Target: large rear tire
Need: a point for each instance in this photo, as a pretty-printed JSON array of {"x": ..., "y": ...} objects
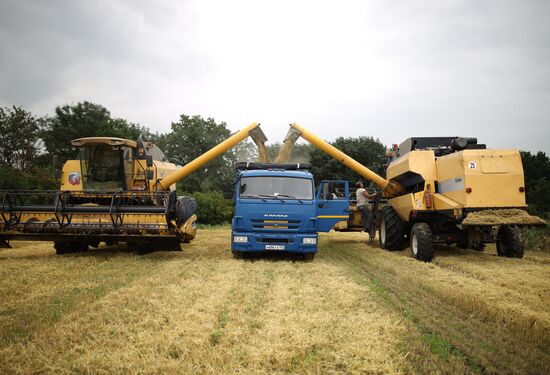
[
  {"x": 422, "y": 244},
  {"x": 392, "y": 230},
  {"x": 510, "y": 242}
]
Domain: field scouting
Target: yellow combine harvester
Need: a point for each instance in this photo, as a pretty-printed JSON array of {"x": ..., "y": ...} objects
[
  {"x": 446, "y": 190},
  {"x": 117, "y": 190}
]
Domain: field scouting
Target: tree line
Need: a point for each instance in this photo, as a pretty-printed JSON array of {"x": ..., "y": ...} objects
[{"x": 29, "y": 146}]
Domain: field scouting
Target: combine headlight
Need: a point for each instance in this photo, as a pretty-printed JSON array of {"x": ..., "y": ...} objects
[
  {"x": 240, "y": 239},
  {"x": 310, "y": 241}
]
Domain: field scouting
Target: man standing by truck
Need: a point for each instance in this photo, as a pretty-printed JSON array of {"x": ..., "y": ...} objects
[{"x": 363, "y": 204}]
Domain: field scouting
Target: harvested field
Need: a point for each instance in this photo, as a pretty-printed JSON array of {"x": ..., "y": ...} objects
[{"x": 355, "y": 309}]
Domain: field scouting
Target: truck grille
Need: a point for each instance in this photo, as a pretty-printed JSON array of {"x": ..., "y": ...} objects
[{"x": 275, "y": 224}]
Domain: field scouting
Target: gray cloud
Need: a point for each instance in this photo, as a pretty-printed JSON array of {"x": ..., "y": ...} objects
[{"x": 387, "y": 69}]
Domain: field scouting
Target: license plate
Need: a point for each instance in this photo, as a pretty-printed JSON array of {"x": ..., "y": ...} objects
[{"x": 274, "y": 247}]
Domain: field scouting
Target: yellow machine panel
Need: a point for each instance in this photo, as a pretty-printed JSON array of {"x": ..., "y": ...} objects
[
  {"x": 403, "y": 205},
  {"x": 420, "y": 162},
  {"x": 482, "y": 178}
]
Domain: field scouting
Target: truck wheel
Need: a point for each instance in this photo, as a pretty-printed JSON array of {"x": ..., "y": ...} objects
[
  {"x": 510, "y": 242},
  {"x": 422, "y": 244},
  {"x": 237, "y": 254},
  {"x": 308, "y": 257},
  {"x": 392, "y": 230}
]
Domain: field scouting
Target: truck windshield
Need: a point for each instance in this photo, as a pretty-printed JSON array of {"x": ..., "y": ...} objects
[{"x": 276, "y": 187}]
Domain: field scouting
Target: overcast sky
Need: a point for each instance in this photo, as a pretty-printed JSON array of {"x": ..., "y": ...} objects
[{"x": 388, "y": 69}]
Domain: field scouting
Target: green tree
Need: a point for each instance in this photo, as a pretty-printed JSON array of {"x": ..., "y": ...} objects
[
  {"x": 536, "y": 169},
  {"x": 19, "y": 138},
  {"x": 191, "y": 137},
  {"x": 366, "y": 150},
  {"x": 85, "y": 120}
]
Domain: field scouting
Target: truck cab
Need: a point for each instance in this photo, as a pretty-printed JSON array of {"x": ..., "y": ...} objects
[{"x": 277, "y": 209}]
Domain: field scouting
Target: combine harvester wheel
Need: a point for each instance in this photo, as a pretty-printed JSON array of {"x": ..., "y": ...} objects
[{"x": 510, "y": 242}]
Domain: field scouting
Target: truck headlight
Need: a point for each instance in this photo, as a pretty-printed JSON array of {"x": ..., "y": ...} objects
[
  {"x": 309, "y": 241},
  {"x": 240, "y": 239}
]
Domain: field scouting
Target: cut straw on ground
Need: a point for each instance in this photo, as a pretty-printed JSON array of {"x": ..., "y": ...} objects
[{"x": 354, "y": 309}]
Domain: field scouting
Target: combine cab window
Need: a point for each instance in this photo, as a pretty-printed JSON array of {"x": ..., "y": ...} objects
[
  {"x": 103, "y": 167},
  {"x": 276, "y": 188}
]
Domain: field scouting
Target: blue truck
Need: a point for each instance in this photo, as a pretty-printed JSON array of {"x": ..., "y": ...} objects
[{"x": 277, "y": 209}]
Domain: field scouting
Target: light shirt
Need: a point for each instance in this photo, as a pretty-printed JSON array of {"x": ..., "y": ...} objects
[{"x": 361, "y": 199}]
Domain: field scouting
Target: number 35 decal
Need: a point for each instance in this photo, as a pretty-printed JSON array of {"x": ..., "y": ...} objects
[{"x": 472, "y": 165}]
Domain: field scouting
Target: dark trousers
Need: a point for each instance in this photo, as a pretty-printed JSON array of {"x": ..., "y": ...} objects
[{"x": 366, "y": 219}]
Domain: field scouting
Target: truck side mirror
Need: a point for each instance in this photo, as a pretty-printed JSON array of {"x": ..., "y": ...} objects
[
  {"x": 149, "y": 160},
  {"x": 150, "y": 174}
]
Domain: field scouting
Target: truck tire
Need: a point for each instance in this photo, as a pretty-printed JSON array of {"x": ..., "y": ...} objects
[
  {"x": 237, "y": 254},
  {"x": 510, "y": 242},
  {"x": 392, "y": 230},
  {"x": 422, "y": 245},
  {"x": 308, "y": 257}
]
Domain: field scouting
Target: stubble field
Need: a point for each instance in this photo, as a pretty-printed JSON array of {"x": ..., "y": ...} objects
[{"x": 354, "y": 309}]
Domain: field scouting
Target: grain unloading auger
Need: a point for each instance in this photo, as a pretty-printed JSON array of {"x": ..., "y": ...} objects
[
  {"x": 446, "y": 190},
  {"x": 117, "y": 190}
]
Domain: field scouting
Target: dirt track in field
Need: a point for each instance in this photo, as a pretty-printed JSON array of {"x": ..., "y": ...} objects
[{"x": 355, "y": 309}]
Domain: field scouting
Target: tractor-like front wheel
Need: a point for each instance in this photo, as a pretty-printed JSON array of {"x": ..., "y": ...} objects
[
  {"x": 510, "y": 242},
  {"x": 392, "y": 230},
  {"x": 422, "y": 245}
]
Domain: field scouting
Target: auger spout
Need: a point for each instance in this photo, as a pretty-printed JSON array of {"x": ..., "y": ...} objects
[
  {"x": 389, "y": 188},
  {"x": 252, "y": 130}
]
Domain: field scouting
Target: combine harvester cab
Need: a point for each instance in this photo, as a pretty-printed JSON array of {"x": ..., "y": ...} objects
[
  {"x": 117, "y": 190},
  {"x": 447, "y": 190}
]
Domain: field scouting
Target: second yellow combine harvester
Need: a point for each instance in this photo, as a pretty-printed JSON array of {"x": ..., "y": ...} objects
[
  {"x": 116, "y": 190},
  {"x": 447, "y": 190}
]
